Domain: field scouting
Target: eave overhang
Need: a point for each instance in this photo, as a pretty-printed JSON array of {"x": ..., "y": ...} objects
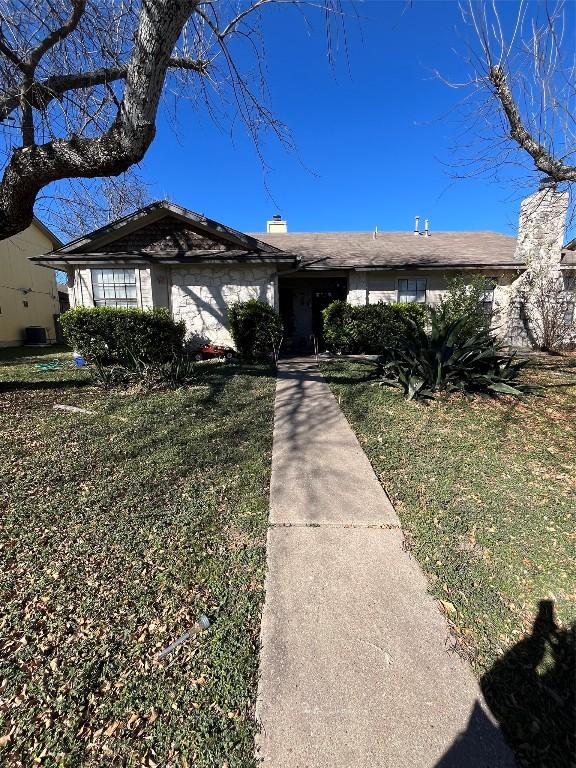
[
  {"x": 446, "y": 266},
  {"x": 63, "y": 260}
]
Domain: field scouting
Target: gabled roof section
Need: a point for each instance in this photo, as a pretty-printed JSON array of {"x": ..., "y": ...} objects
[
  {"x": 97, "y": 240},
  {"x": 163, "y": 233}
]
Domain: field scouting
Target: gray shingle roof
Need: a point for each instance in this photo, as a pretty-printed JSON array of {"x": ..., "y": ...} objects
[{"x": 333, "y": 250}]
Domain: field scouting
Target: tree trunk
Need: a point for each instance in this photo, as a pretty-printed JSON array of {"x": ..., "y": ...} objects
[{"x": 33, "y": 167}]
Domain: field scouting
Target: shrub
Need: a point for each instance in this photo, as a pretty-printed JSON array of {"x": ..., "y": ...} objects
[
  {"x": 370, "y": 329},
  {"x": 121, "y": 336},
  {"x": 128, "y": 346},
  {"x": 444, "y": 359},
  {"x": 256, "y": 329},
  {"x": 545, "y": 302},
  {"x": 464, "y": 299}
]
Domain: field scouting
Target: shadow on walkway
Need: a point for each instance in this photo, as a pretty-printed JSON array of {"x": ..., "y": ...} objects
[{"x": 531, "y": 694}]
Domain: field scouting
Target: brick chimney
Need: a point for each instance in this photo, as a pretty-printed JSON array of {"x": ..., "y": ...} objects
[
  {"x": 542, "y": 226},
  {"x": 276, "y": 224}
]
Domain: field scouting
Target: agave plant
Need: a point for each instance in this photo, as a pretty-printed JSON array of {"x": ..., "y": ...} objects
[{"x": 445, "y": 359}]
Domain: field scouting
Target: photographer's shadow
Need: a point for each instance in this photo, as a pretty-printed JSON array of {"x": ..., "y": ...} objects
[{"x": 530, "y": 692}]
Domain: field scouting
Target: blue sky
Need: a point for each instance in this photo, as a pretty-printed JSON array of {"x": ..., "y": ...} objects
[{"x": 374, "y": 136}]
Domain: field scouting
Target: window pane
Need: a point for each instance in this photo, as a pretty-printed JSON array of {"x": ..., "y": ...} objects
[
  {"x": 114, "y": 287},
  {"x": 412, "y": 289}
]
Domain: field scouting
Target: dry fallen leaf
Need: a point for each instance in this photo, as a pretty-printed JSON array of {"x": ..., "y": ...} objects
[
  {"x": 449, "y": 607},
  {"x": 112, "y": 728}
]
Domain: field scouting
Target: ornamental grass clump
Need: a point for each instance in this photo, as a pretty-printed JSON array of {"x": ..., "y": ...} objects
[{"x": 443, "y": 359}]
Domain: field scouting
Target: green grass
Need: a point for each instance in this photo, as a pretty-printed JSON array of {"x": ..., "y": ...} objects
[
  {"x": 118, "y": 530},
  {"x": 486, "y": 492}
]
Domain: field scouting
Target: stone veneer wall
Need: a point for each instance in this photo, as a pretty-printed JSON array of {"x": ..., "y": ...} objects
[
  {"x": 541, "y": 232},
  {"x": 201, "y": 296}
]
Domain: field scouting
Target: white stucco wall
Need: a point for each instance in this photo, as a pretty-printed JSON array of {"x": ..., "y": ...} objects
[
  {"x": 201, "y": 296},
  {"x": 358, "y": 288},
  {"x": 160, "y": 284},
  {"x": 81, "y": 289}
]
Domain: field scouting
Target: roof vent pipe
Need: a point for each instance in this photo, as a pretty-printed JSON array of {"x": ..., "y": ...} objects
[
  {"x": 426, "y": 228},
  {"x": 417, "y": 225}
]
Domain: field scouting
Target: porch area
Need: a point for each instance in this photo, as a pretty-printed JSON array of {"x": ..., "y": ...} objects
[{"x": 301, "y": 299}]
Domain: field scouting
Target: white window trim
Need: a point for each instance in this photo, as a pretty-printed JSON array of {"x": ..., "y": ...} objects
[{"x": 115, "y": 301}]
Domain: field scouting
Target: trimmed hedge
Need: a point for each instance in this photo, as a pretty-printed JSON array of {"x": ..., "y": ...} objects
[
  {"x": 116, "y": 335},
  {"x": 256, "y": 329},
  {"x": 370, "y": 329}
]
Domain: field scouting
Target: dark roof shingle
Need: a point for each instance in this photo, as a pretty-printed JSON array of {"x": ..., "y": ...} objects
[{"x": 334, "y": 250}]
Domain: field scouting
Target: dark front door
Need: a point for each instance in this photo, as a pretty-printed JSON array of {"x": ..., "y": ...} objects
[{"x": 324, "y": 292}]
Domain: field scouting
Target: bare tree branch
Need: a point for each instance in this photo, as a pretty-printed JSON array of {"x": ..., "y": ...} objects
[
  {"x": 55, "y": 36},
  {"x": 9, "y": 53},
  {"x": 543, "y": 160},
  {"x": 33, "y": 167},
  {"x": 81, "y": 82},
  {"x": 77, "y": 206},
  {"x": 41, "y": 93},
  {"x": 519, "y": 111}
]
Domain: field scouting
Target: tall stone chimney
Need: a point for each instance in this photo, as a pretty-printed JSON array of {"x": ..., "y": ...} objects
[
  {"x": 542, "y": 226},
  {"x": 536, "y": 314},
  {"x": 276, "y": 224}
]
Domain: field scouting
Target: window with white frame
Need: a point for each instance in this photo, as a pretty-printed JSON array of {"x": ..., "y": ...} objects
[
  {"x": 114, "y": 287},
  {"x": 412, "y": 289}
]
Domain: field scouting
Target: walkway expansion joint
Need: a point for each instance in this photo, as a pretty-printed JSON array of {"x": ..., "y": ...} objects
[{"x": 384, "y": 526}]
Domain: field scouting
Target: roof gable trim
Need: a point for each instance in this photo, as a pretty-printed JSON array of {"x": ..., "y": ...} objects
[{"x": 159, "y": 210}]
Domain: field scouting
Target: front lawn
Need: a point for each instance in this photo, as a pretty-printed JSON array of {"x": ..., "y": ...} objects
[
  {"x": 119, "y": 528},
  {"x": 486, "y": 492}
]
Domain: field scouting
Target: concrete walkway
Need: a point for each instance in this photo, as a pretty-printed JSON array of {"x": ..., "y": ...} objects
[{"x": 356, "y": 669}]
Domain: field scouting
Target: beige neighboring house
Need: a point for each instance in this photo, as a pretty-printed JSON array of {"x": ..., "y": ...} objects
[
  {"x": 167, "y": 256},
  {"x": 28, "y": 293}
]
